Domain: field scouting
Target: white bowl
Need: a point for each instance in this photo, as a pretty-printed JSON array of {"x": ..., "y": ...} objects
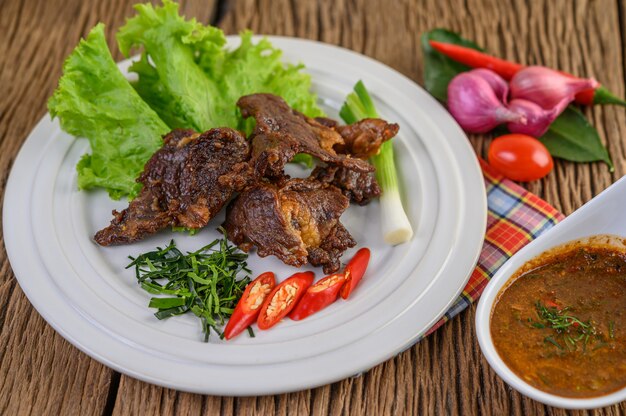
[{"x": 604, "y": 214}]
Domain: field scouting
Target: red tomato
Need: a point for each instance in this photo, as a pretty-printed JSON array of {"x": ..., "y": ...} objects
[
  {"x": 318, "y": 296},
  {"x": 520, "y": 157},
  {"x": 249, "y": 304},
  {"x": 283, "y": 298},
  {"x": 355, "y": 271}
]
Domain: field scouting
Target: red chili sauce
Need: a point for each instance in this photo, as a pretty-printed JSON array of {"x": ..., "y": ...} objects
[{"x": 560, "y": 324}]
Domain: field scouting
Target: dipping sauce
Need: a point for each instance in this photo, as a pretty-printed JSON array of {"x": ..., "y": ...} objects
[{"x": 561, "y": 324}]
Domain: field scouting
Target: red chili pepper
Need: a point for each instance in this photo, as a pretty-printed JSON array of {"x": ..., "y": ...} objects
[
  {"x": 476, "y": 59},
  {"x": 318, "y": 296},
  {"x": 506, "y": 69},
  {"x": 552, "y": 304},
  {"x": 249, "y": 304},
  {"x": 283, "y": 299},
  {"x": 355, "y": 271}
]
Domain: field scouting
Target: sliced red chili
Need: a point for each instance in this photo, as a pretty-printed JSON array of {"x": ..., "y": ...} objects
[
  {"x": 354, "y": 271},
  {"x": 318, "y": 296},
  {"x": 249, "y": 304},
  {"x": 283, "y": 299}
]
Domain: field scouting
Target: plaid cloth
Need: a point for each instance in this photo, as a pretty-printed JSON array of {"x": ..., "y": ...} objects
[{"x": 515, "y": 217}]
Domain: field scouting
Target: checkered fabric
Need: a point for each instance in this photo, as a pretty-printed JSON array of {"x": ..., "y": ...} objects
[{"x": 515, "y": 217}]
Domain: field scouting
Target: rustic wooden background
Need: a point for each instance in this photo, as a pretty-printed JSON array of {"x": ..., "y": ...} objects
[{"x": 41, "y": 373}]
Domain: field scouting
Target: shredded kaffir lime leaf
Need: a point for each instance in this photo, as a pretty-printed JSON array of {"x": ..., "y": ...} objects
[
  {"x": 567, "y": 328},
  {"x": 205, "y": 282}
]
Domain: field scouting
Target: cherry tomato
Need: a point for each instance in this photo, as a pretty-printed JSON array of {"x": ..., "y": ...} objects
[
  {"x": 249, "y": 304},
  {"x": 283, "y": 299},
  {"x": 318, "y": 296},
  {"x": 354, "y": 271},
  {"x": 520, "y": 157}
]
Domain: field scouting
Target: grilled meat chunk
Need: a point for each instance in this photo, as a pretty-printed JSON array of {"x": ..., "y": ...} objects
[
  {"x": 296, "y": 220},
  {"x": 181, "y": 185},
  {"x": 364, "y": 138},
  {"x": 281, "y": 132},
  {"x": 360, "y": 187}
]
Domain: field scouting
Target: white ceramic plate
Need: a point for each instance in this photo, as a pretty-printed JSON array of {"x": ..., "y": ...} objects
[{"x": 86, "y": 294}]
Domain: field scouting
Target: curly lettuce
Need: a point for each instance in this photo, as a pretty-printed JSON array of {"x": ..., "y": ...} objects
[
  {"x": 183, "y": 91},
  {"x": 95, "y": 100},
  {"x": 186, "y": 78},
  {"x": 192, "y": 81}
]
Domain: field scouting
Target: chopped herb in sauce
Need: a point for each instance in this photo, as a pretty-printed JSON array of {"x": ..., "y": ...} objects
[{"x": 568, "y": 328}]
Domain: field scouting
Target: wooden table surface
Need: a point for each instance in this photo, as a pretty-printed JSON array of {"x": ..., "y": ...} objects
[{"x": 41, "y": 373}]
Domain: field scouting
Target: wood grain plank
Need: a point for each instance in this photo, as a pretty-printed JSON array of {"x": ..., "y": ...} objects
[{"x": 444, "y": 374}]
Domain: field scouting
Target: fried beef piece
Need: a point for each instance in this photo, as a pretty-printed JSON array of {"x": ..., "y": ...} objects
[
  {"x": 364, "y": 138},
  {"x": 360, "y": 187},
  {"x": 296, "y": 221},
  {"x": 281, "y": 132},
  {"x": 180, "y": 185}
]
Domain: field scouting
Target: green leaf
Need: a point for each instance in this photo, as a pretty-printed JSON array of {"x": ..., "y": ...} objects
[
  {"x": 192, "y": 81},
  {"x": 167, "y": 313},
  {"x": 572, "y": 138},
  {"x": 94, "y": 100},
  {"x": 439, "y": 69},
  {"x": 172, "y": 43},
  {"x": 166, "y": 303}
]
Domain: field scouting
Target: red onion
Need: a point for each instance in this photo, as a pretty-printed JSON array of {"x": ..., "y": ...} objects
[
  {"x": 538, "y": 119},
  {"x": 546, "y": 87},
  {"x": 498, "y": 84},
  {"x": 475, "y": 106}
]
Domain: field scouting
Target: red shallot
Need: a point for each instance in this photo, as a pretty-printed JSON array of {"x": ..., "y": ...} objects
[
  {"x": 547, "y": 87},
  {"x": 538, "y": 119},
  {"x": 475, "y": 105},
  {"x": 498, "y": 84}
]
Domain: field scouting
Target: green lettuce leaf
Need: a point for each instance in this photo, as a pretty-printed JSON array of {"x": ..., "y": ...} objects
[
  {"x": 172, "y": 44},
  {"x": 187, "y": 76},
  {"x": 94, "y": 100},
  {"x": 257, "y": 68}
]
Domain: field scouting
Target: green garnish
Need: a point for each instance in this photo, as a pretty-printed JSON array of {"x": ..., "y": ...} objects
[
  {"x": 612, "y": 330},
  {"x": 553, "y": 342},
  {"x": 204, "y": 282},
  {"x": 570, "y": 329},
  {"x": 558, "y": 318}
]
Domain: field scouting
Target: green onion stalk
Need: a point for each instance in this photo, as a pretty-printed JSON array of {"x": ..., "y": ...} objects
[{"x": 396, "y": 227}]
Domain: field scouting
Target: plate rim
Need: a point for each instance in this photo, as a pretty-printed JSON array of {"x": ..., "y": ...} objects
[{"x": 481, "y": 205}]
